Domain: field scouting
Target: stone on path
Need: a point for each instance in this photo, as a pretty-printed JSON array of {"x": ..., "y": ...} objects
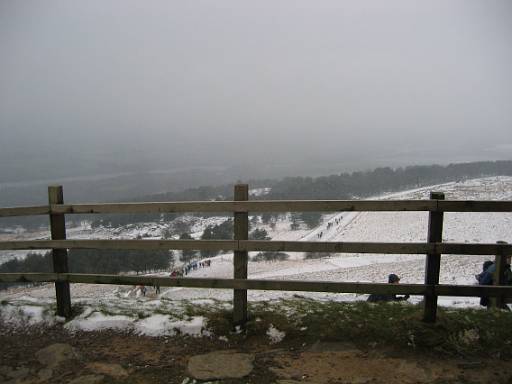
[
  {"x": 87, "y": 379},
  {"x": 55, "y": 354},
  {"x": 45, "y": 374},
  {"x": 112, "y": 370},
  {"x": 322, "y": 346},
  {"x": 12, "y": 373},
  {"x": 220, "y": 365}
]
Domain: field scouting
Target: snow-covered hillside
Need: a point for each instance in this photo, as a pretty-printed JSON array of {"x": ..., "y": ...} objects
[{"x": 347, "y": 226}]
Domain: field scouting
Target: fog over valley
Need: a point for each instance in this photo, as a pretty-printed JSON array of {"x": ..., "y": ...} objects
[{"x": 124, "y": 97}]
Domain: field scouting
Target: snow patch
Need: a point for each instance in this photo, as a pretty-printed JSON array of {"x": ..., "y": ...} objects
[
  {"x": 156, "y": 325},
  {"x": 163, "y": 325},
  {"x": 195, "y": 326},
  {"x": 98, "y": 321},
  {"x": 275, "y": 335},
  {"x": 20, "y": 315},
  {"x": 259, "y": 191}
]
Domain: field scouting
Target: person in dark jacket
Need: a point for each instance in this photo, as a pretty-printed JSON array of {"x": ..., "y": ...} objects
[
  {"x": 486, "y": 277},
  {"x": 392, "y": 279}
]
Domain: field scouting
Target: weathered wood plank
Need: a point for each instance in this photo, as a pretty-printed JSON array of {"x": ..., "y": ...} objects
[
  {"x": 263, "y": 245},
  {"x": 433, "y": 260},
  {"x": 473, "y": 290},
  {"x": 336, "y": 247},
  {"x": 249, "y": 206},
  {"x": 217, "y": 245},
  {"x": 474, "y": 206},
  {"x": 147, "y": 207},
  {"x": 280, "y": 285},
  {"x": 25, "y": 211},
  {"x": 374, "y": 247},
  {"x": 59, "y": 255},
  {"x": 499, "y": 278},
  {"x": 472, "y": 249},
  {"x": 337, "y": 205},
  {"x": 275, "y": 285},
  {"x": 240, "y": 260},
  {"x": 264, "y": 206},
  {"x": 28, "y": 277}
]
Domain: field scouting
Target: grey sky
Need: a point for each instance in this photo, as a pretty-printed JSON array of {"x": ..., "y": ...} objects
[{"x": 164, "y": 83}]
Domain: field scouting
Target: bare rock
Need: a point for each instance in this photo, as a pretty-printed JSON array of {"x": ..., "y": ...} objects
[
  {"x": 220, "y": 365},
  {"x": 55, "y": 354}
]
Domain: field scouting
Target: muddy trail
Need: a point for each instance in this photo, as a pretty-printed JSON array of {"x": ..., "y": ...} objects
[{"x": 52, "y": 355}]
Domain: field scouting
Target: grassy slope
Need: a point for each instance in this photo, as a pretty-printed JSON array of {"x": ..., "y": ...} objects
[{"x": 458, "y": 332}]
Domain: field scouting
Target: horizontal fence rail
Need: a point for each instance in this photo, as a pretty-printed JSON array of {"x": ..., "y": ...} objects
[
  {"x": 265, "y": 206},
  {"x": 266, "y": 245},
  {"x": 256, "y": 284},
  {"x": 433, "y": 248},
  {"x": 25, "y": 211},
  {"x": 281, "y": 285}
]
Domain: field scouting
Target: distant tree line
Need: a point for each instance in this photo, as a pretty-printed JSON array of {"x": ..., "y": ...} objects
[
  {"x": 363, "y": 184},
  {"x": 110, "y": 261}
]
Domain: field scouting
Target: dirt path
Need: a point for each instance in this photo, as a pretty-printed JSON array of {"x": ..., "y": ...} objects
[{"x": 108, "y": 357}]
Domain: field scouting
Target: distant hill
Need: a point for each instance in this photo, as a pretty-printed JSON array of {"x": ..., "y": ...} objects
[{"x": 337, "y": 186}]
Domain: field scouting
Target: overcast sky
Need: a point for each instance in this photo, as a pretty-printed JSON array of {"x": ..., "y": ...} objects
[{"x": 180, "y": 83}]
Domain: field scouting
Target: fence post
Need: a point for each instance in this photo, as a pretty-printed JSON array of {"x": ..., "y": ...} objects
[
  {"x": 433, "y": 261},
  {"x": 59, "y": 256},
  {"x": 499, "y": 276},
  {"x": 240, "y": 258}
]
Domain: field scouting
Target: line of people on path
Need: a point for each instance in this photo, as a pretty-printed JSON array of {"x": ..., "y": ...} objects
[
  {"x": 330, "y": 224},
  {"x": 192, "y": 266},
  {"x": 176, "y": 273},
  {"x": 337, "y": 221}
]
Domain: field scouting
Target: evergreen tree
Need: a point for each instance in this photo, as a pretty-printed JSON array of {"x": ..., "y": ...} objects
[
  {"x": 311, "y": 219},
  {"x": 295, "y": 221},
  {"x": 259, "y": 234},
  {"x": 222, "y": 231},
  {"x": 187, "y": 254},
  {"x": 270, "y": 256}
]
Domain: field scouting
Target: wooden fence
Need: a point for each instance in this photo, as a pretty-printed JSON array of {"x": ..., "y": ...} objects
[{"x": 240, "y": 206}]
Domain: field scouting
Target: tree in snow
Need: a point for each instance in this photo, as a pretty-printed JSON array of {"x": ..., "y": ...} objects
[
  {"x": 259, "y": 234},
  {"x": 187, "y": 254}
]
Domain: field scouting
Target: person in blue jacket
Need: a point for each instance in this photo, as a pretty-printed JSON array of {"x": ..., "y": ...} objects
[{"x": 486, "y": 277}]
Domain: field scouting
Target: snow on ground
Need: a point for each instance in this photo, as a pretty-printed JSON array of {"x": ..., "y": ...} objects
[
  {"x": 259, "y": 191},
  {"x": 275, "y": 335},
  {"x": 113, "y": 306}
]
